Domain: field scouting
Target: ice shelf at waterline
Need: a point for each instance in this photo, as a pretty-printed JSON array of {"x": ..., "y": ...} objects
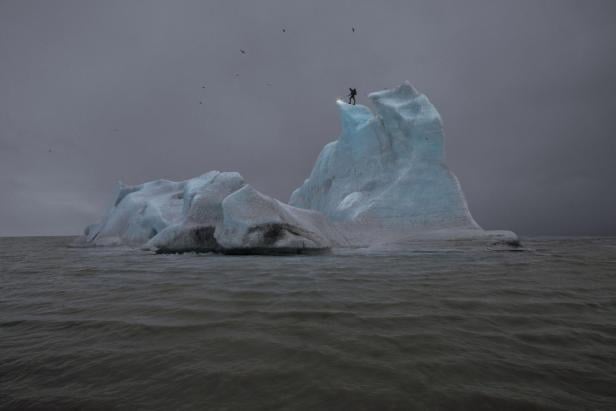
[{"x": 384, "y": 181}]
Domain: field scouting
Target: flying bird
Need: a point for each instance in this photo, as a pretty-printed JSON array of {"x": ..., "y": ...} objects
[
  {"x": 353, "y": 29},
  {"x": 243, "y": 51},
  {"x": 284, "y": 30}
]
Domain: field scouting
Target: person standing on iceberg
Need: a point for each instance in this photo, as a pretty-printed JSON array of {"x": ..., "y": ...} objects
[{"x": 352, "y": 94}]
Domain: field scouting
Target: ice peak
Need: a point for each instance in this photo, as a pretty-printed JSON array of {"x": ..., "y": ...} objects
[{"x": 405, "y": 91}]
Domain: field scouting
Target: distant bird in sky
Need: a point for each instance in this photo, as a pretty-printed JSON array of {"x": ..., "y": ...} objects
[
  {"x": 243, "y": 51},
  {"x": 202, "y": 86},
  {"x": 201, "y": 102},
  {"x": 284, "y": 30},
  {"x": 353, "y": 29}
]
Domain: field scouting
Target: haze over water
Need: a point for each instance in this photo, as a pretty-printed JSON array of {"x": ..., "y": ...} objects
[{"x": 439, "y": 326}]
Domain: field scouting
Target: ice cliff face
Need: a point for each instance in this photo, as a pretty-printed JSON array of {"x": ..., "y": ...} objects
[
  {"x": 384, "y": 181},
  {"x": 387, "y": 169}
]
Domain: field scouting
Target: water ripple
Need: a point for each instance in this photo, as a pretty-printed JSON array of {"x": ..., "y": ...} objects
[{"x": 438, "y": 327}]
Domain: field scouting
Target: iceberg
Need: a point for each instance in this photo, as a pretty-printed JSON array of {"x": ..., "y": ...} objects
[
  {"x": 215, "y": 212},
  {"x": 384, "y": 181},
  {"x": 254, "y": 223},
  {"x": 385, "y": 178}
]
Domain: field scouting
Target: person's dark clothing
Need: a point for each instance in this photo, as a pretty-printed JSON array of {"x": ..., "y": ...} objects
[{"x": 352, "y": 94}]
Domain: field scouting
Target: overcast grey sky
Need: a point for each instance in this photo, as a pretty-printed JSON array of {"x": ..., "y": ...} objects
[{"x": 92, "y": 92}]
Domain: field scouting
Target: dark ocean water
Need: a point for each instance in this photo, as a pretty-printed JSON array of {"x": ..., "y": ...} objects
[{"x": 438, "y": 327}]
